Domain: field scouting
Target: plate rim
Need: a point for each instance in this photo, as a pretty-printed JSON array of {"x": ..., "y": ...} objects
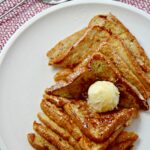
[{"x": 52, "y": 9}]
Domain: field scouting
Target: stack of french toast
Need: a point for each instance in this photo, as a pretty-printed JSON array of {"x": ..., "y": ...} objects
[{"x": 103, "y": 51}]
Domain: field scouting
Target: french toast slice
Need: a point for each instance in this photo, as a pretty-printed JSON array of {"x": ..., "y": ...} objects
[
  {"x": 59, "y": 131},
  {"x": 52, "y": 137},
  {"x": 39, "y": 143},
  {"x": 122, "y": 146},
  {"x": 121, "y": 51},
  {"x": 111, "y": 23},
  {"x": 98, "y": 68},
  {"x": 88, "y": 144},
  {"x": 124, "y": 141},
  {"x": 58, "y": 115},
  {"x": 94, "y": 125},
  {"x": 62, "y": 74},
  {"x": 125, "y": 136},
  {"x": 53, "y": 126},
  {"x": 82, "y": 48},
  {"x": 57, "y": 100},
  {"x": 126, "y": 55},
  {"x": 125, "y": 71},
  {"x": 64, "y": 45},
  {"x": 114, "y": 55},
  {"x": 83, "y": 140}
]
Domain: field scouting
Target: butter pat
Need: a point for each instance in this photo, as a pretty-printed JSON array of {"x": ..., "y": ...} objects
[{"x": 103, "y": 96}]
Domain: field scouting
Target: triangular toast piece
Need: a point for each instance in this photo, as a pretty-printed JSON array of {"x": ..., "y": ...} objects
[
  {"x": 64, "y": 45},
  {"x": 121, "y": 119},
  {"x": 120, "y": 64},
  {"x": 62, "y": 74},
  {"x": 94, "y": 125},
  {"x": 53, "y": 126},
  {"x": 125, "y": 136},
  {"x": 82, "y": 48},
  {"x": 112, "y": 24},
  {"x": 98, "y": 68},
  {"x": 59, "y": 106},
  {"x": 52, "y": 137},
  {"x": 82, "y": 51},
  {"x": 115, "y": 55},
  {"x": 39, "y": 143},
  {"x": 58, "y": 115},
  {"x": 122, "y": 146},
  {"x": 69, "y": 126},
  {"x": 59, "y": 128},
  {"x": 128, "y": 58},
  {"x": 124, "y": 141}
]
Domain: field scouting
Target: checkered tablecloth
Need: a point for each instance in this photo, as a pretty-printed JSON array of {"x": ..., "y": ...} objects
[{"x": 10, "y": 23}]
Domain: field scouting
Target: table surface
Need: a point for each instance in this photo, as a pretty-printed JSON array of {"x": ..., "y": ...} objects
[{"x": 10, "y": 23}]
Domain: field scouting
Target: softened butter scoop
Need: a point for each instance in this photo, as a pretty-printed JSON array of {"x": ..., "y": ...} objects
[{"x": 103, "y": 96}]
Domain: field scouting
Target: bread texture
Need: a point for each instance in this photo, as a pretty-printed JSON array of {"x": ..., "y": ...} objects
[
  {"x": 82, "y": 48},
  {"x": 98, "y": 67},
  {"x": 62, "y": 46},
  {"x": 59, "y": 129},
  {"x": 111, "y": 23}
]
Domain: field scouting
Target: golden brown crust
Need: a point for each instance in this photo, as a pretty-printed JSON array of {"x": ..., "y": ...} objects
[
  {"x": 64, "y": 45},
  {"x": 111, "y": 23},
  {"x": 127, "y": 56},
  {"x": 58, "y": 130},
  {"x": 62, "y": 74},
  {"x": 99, "y": 68},
  {"x": 125, "y": 136},
  {"x": 52, "y": 137},
  {"x": 80, "y": 50},
  {"x": 121, "y": 146},
  {"x": 112, "y": 54},
  {"x": 94, "y": 125},
  {"x": 58, "y": 101},
  {"x": 64, "y": 133},
  {"x": 61, "y": 118},
  {"x": 53, "y": 126},
  {"x": 124, "y": 141},
  {"x": 39, "y": 143},
  {"x": 73, "y": 129},
  {"x": 129, "y": 96},
  {"x": 135, "y": 47},
  {"x": 84, "y": 47},
  {"x": 73, "y": 124},
  {"x": 87, "y": 144},
  {"x": 83, "y": 141}
]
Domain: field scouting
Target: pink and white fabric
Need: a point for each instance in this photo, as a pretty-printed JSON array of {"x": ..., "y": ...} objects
[
  {"x": 141, "y": 4},
  {"x": 10, "y": 23}
]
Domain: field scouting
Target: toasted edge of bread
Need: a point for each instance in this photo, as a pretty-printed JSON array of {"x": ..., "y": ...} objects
[
  {"x": 86, "y": 119},
  {"x": 123, "y": 68},
  {"x": 65, "y": 44},
  {"x": 127, "y": 56},
  {"x": 81, "y": 49},
  {"x": 115, "y": 26},
  {"x": 87, "y": 75},
  {"x": 39, "y": 143},
  {"x": 51, "y": 132},
  {"x": 51, "y": 137}
]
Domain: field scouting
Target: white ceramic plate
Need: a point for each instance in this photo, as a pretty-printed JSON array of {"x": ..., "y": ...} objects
[{"x": 24, "y": 73}]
